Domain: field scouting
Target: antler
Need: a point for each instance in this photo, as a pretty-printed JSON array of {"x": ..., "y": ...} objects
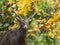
[
  {"x": 19, "y": 17},
  {"x": 32, "y": 15}
]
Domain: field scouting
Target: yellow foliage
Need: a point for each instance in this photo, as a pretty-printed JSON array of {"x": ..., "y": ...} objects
[
  {"x": 9, "y": 27},
  {"x": 9, "y": 10},
  {"x": 12, "y": 27},
  {"x": 52, "y": 35},
  {"x": 15, "y": 26},
  {"x": 39, "y": 21},
  {"x": 10, "y": 1},
  {"x": 57, "y": 28},
  {"x": 32, "y": 31},
  {"x": 15, "y": 21},
  {"x": 58, "y": 37},
  {"x": 38, "y": 12},
  {"x": 56, "y": 17},
  {"x": 49, "y": 30},
  {"x": 23, "y": 12},
  {"x": 13, "y": 15},
  {"x": 50, "y": 21},
  {"x": 20, "y": 3}
]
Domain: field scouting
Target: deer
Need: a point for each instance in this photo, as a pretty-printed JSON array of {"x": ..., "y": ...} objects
[{"x": 17, "y": 36}]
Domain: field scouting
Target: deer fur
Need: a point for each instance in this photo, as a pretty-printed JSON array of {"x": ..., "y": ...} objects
[{"x": 16, "y": 36}]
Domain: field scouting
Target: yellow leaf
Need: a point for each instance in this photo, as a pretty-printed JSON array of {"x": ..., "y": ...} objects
[
  {"x": 9, "y": 10},
  {"x": 58, "y": 37},
  {"x": 10, "y": 1},
  {"x": 52, "y": 35}
]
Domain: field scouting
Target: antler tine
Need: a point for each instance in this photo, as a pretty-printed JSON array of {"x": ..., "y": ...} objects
[
  {"x": 20, "y": 18},
  {"x": 32, "y": 15}
]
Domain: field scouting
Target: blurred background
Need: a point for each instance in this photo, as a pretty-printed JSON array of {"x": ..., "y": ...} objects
[{"x": 44, "y": 29}]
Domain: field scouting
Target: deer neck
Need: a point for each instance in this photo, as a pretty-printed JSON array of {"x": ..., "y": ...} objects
[{"x": 23, "y": 32}]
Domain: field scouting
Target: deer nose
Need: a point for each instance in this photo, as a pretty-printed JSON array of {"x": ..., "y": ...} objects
[{"x": 25, "y": 26}]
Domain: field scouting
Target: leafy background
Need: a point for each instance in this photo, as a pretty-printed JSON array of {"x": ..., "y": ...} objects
[{"x": 44, "y": 28}]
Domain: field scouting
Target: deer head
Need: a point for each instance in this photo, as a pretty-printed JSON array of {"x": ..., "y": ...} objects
[{"x": 24, "y": 23}]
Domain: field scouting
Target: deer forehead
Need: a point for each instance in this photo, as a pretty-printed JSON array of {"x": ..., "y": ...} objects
[{"x": 25, "y": 23}]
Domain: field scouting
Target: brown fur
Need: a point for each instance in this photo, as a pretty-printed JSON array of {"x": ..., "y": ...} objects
[{"x": 13, "y": 37}]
